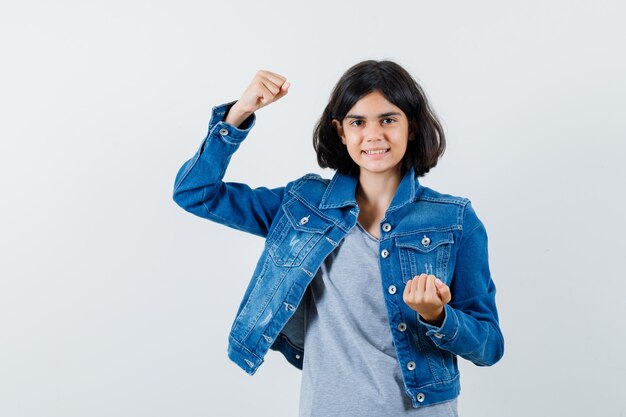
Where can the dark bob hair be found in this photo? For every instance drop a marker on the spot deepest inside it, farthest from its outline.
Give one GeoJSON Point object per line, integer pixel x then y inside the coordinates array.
{"type": "Point", "coordinates": [399, 88]}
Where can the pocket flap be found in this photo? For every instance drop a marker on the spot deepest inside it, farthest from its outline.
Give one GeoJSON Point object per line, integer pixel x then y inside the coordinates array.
{"type": "Point", "coordinates": [425, 241]}
{"type": "Point", "coordinates": [304, 218]}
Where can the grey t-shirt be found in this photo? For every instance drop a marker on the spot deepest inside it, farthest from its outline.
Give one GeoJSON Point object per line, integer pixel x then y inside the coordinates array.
{"type": "Point", "coordinates": [350, 366]}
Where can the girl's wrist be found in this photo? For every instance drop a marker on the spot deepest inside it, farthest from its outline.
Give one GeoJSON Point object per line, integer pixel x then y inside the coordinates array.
{"type": "Point", "coordinates": [436, 320]}
{"type": "Point", "coordinates": [236, 116]}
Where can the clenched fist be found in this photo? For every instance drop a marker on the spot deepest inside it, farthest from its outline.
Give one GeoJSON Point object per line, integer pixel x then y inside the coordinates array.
{"type": "Point", "coordinates": [266, 87]}
{"type": "Point", "coordinates": [427, 295]}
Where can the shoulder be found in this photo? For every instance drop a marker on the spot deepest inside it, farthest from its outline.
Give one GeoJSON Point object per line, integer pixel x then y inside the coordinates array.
{"type": "Point", "coordinates": [311, 178]}
{"type": "Point", "coordinates": [428, 194]}
{"type": "Point", "coordinates": [464, 211]}
{"type": "Point", "coordinates": [308, 186]}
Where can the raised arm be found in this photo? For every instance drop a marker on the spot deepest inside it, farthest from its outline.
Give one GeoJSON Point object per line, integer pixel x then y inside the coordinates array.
{"type": "Point", "coordinates": [199, 187]}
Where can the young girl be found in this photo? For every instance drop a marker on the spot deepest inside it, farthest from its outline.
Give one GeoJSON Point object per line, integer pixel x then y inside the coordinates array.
{"type": "Point", "coordinates": [381, 281]}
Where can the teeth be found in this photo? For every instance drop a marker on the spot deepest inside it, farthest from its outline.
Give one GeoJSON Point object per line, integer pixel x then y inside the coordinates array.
{"type": "Point", "coordinates": [376, 152]}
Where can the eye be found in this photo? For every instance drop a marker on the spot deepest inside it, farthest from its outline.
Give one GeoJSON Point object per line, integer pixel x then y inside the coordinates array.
{"type": "Point", "coordinates": [388, 120]}
{"type": "Point", "coordinates": [356, 122]}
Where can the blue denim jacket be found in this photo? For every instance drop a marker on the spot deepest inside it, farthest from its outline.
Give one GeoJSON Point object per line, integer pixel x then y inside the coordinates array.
{"type": "Point", "coordinates": [303, 222]}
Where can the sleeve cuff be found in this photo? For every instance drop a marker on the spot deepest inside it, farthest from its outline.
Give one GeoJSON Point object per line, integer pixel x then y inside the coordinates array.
{"type": "Point", "coordinates": [448, 330]}
{"type": "Point", "coordinates": [230, 132]}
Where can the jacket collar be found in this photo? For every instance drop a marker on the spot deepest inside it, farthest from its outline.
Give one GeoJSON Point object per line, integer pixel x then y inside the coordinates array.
{"type": "Point", "coordinates": [341, 191]}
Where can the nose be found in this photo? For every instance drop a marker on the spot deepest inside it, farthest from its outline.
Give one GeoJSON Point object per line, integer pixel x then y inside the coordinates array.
{"type": "Point", "coordinates": [373, 132]}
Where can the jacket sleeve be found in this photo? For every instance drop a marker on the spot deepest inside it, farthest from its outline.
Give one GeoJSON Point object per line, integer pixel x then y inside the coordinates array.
{"type": "Point", "coordinates": [199, 188]}
{"type": "Point", "coordinates": [470, 328]}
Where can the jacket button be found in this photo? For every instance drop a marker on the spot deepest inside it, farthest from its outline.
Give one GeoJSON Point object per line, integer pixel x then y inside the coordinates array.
{"type": "Point", "coordinates": [304, 220]}
{"type": "Point", "coordinates": [384, 253]}
{"type": "Point", "coordinates": [420, 397]}
{"type": "Point", "coordinates": [402, 327]}
{"type": "Point", "coordinates": [425, 241]}
{"type": "Point", "coordinates": [392, 289]}
{"type": "Point", "coordinates": [438, 335]}
{"type": "Point", "coordinates": [386, 227]}
{"type": "Point", "coordinates": [410, 366]}
{"type": "Point", "coordinates": [223, 131]}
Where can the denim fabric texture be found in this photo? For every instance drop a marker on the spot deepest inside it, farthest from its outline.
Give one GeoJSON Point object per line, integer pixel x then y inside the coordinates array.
{"type": "Point", "coordinates": [423, 231]}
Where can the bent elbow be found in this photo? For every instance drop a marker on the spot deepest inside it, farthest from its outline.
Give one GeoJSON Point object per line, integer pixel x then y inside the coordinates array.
{"type": "Point", "coordinates": [491, 351]}
{"type": "Point", "coordinates": [193, 198]}
{"type": "Point", "coordinates": [491, 359]}
{"type": "Point", "coordinates": [494, 353]}
{"type": "Point", "coordinates": [182, 199]}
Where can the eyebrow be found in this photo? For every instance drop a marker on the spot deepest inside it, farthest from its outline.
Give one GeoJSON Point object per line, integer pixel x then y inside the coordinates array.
{"type": "Point", "coordinates": [356, 116]}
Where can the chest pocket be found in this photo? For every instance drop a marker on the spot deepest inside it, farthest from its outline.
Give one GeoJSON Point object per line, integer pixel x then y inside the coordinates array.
{"type": "Point", "coordinates": [425, 253]}
{"type": "Point", "coordinates": [296, 233]}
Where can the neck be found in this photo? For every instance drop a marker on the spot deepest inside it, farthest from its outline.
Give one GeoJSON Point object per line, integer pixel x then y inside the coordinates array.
{"type": "Point", "coordinates": [375, 191]}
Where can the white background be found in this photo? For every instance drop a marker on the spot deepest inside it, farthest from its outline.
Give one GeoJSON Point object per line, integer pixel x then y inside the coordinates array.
{"type": "Point", "coordinates": [116, 302]}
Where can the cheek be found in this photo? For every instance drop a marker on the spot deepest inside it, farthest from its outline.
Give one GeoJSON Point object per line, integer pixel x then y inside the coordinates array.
{"type": "Point", "coordinates": [350, 143]}
{"type": "Point", "coordinates": [402, 149]}
{"type": "Point", "coordinates": [354, 150]}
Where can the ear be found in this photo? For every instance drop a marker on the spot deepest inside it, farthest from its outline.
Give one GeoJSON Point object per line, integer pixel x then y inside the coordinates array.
{"type": "Point", "coordinates": [339, 128]}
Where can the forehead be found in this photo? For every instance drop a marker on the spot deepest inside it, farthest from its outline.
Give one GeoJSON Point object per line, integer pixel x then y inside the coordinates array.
{"type": "Point", "coordinates": [373, 104]}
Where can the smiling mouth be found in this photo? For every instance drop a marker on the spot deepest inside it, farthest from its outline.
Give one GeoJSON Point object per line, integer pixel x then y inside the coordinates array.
{"type": "Point", "coordinates": [376, 152]}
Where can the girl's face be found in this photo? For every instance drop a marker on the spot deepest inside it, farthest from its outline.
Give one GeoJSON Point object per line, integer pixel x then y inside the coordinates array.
{"type": "Point", "coordinates": [376, 133]}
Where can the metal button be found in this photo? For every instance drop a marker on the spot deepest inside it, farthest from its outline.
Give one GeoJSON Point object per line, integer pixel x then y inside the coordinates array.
{"type": "Point", "coordinates": [420, 397]}
{"type": "Point", "coordinates": [384, 253]}
{"type": "Point", "coordinates": [297, 356]}
{"type": "Point", "coordinates": [392, 289]}
{"type": "Point", "coordinates": [410, 366]}
{"type": "Point", "coordinates": [386, 227]}
{"type": "Point", "coordinates": [223, 131]}
{"type": "Point", "coordinates": [402, 327]}
{"type": "Point", "coordinates": [304, 220]}
{"type": "Point", "coordinates": [426, 241]}
{"type": "Point", "coordinates": [438, 335]}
